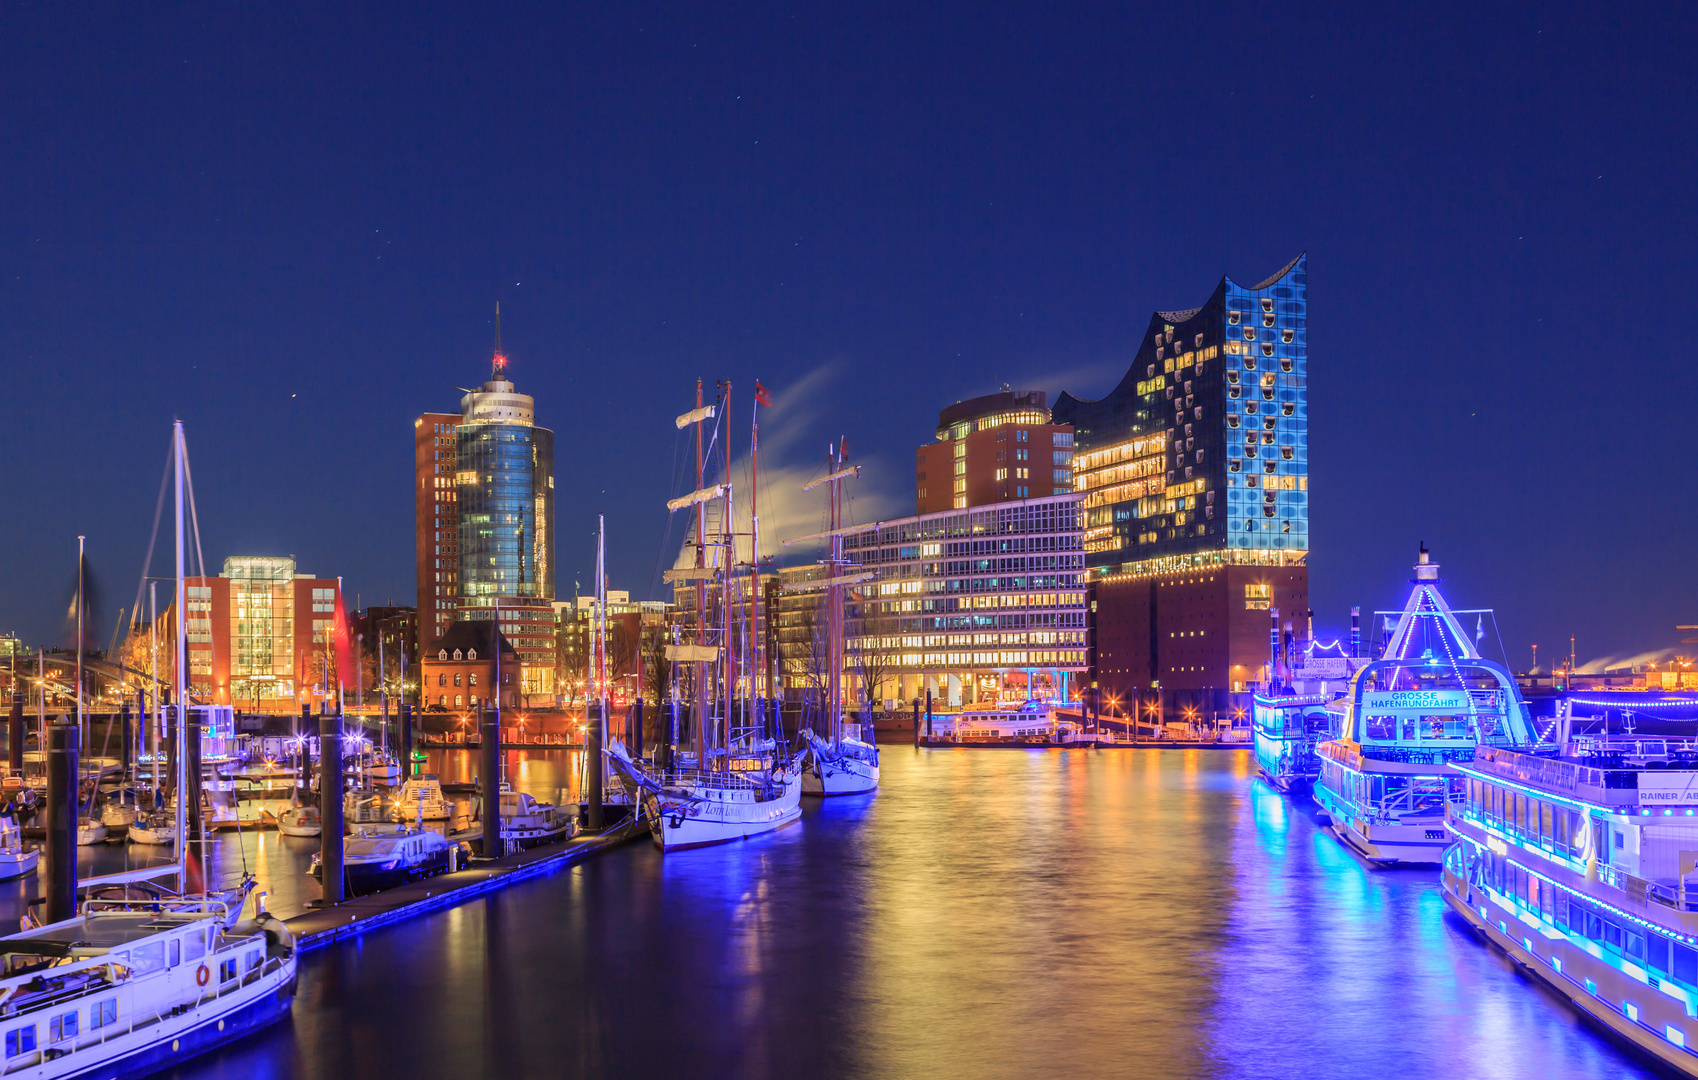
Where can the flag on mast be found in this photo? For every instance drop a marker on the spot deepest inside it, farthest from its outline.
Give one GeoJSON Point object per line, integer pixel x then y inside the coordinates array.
{"type": "Point", "coordinates": [763, 396]}
{"type": "Point", "coordinates": [347, 664]}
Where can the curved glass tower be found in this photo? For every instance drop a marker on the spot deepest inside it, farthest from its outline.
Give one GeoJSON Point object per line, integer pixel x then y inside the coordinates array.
{"type": "Point", "coordinates": [504, 491]}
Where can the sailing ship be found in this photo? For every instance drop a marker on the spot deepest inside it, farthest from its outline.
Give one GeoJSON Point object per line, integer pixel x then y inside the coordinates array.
{"type": "Point", "coordinates": [706, 800]}
{"type": "Point", "coordinates": [836, 763]}
{"type": "Point", "coordinates": [1410, 720]}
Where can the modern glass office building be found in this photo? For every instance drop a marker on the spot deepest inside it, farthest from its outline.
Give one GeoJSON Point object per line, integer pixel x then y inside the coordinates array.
{"type": "Point", "coordinates": [504, 498]}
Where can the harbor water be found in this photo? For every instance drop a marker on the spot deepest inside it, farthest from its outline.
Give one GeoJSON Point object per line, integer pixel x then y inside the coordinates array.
{"type": "Point", "coordinates": [1140, 913]}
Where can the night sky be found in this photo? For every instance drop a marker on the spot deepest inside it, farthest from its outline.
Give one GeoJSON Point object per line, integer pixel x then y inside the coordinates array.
{"type": "Point", "coordinates": [289, 226]}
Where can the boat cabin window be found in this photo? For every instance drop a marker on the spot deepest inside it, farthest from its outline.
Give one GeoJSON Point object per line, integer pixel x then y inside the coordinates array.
{"type": "Point", "coordinates": [104, 1012]}
{"type": "Point", "coordinates": [176, 949]}
{"type": "Point", "coordinates": [226, 971]}
{"type": "Point", "coordinates": [253, 959]}
{"type": "Point", "coordinates": [194, 946]}
{"type": "Point", "coordinates": [146, 958]}
{"type": "Point", "coordinates": [62, 1027]}
{"type": "Point", "coordinates": [20, 1041]}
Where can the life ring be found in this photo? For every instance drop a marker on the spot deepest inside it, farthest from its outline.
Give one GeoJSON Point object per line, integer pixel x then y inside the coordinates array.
{"type": "Point", "coordinates": [202, 976]}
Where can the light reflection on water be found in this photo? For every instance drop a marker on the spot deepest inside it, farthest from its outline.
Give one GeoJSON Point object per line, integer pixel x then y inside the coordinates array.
{"type": "Point", "coordinates": [987, 913]}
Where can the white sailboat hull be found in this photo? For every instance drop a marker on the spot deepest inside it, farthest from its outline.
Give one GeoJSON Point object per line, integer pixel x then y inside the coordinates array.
{"type": "Point", "coordinates": [704, 822]}
{"type": "Point", "coordinates": [146, 834]}
{"type": "Point", "coordinates": [845, 776]}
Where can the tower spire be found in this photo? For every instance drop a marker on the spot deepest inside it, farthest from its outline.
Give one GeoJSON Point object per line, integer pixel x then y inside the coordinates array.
{"type": "Point", "coordinates": [495, 372]}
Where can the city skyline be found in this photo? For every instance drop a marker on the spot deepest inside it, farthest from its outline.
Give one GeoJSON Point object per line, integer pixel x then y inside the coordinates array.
{"type": "Point", "coordinates": [1462, 318]}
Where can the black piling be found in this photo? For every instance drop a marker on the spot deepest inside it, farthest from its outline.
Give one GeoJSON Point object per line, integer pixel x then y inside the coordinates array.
{"type": "Point", "coordinates": [636, 716]}
{"type": "Point", "coordinates": [928, 716]}
{"type": "Point", "coordinates": [192, 778]}
{"type": "Point", "coordinates": [15, 737]}
{"type": "Point", "coordinates": [330, 808]}
{"type": "Point", "coordinates": [404, 738]}
{"type": "Point", "coordinates": [489, 734]}
{"type": "Point", "coordinates": [916, 721]}
{"type": "Point", "coordinates": [170, 784]}
{"type": "Point", "coordinates": [592, 769]}
{"type": "Point", "coordinates": [63, 745]}
{"type": "Point", "coordinates": [129, 738]}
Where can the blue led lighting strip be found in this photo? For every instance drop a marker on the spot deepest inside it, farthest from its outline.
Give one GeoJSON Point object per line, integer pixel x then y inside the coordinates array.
{"type": "Point", "coordinates": [1538, 792]}
{"type": "Point", "coordinates": [1628, 915]}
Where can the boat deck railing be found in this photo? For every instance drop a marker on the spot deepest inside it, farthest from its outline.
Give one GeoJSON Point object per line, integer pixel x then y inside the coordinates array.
{"type": "Point", "coordinates": [1613, 786]}
{"type": "Point", "coordinates": [1418, 755]}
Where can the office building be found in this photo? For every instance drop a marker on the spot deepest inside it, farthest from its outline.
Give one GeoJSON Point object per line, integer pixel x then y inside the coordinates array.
{"type": "Point", "coordinates": [1194, 481]}
{"type": "Point", "coordinates": [977, 606]}
{"type": "Point", "coordinates": [1002, 447]}
{"type": "Point", "coordinates": [437, 531]}
{"type": "Point", "coordinates": [635, 628]}
{"type": "Point", "coordinates": [485, 517]}
{"type": "Point", "coordinates": [258, 635]}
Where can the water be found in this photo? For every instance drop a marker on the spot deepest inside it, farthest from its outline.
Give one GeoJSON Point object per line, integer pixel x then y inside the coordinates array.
{"type": "Point", "coordinates": [987, 913]}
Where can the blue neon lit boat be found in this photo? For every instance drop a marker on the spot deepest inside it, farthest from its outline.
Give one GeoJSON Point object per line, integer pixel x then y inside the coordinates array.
{"type": "Point", "coordinates": [1287, 729]}
{"type": "Point", "coordinates": [1579, 866]}
{"type": "Point", "coordinates": [1409, 719]}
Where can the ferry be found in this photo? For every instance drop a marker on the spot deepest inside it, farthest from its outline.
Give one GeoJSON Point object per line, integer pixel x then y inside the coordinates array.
{"type": "Point", "coordinates": [1287, 729]}
{"type": "Point", "coordinates": [1033, 723]}
{"type": "Point", "coordinates": [1409, 719]}
{"type": "Point", "coordinates": [1579, 865]}
{"type": "Point", "coordinates": [131, 987]}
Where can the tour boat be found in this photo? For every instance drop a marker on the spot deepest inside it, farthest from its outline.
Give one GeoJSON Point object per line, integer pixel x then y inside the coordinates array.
{"type": "Point", "coordinates": [375, 859]}
{"type": "Point", "coordinates": [1287, 730]}
{"type": "Point", "coordinates": [158, 828]}
{"type": "Point", "coordinates": [1409, 720]}
{"type": "Point", "coordinates": [130, 987]}
{"type": "Point", "coordinates": [525, 822]}
{"type": "Point", "coordinates": [16, 858]}
{"type": "Point", "coordinates": [849, 768]}
{"type": "Point", "coordinates": [422, 797]}
{"type": "Point", "coordinates": [1580, 866]}
{"type": "Point", "coordinates": [300, 821]}
{"type": "Point", "coordinates": [1033, 723]}
{"type": "Point", "coordinates": [695, 809]}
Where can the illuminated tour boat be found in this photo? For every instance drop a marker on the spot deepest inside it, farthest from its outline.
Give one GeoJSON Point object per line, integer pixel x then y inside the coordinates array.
{"type": "Point", "coordinates": [130, 987]}
{"type": "Point", "coordinates": [1410, 719]}
{"type": "Point", "coordinates": [1033, 723]}
{"type": "Point", "coordinates": [1579, 865]}
{"type": "Point", "coordinates": [1287, 729]}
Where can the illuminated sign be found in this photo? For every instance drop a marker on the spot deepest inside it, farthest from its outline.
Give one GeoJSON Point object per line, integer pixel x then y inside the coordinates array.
{"type": "Point", "coordinates": [1417, 699]}
{"type": "Point", "coordinates": [1668, 787]}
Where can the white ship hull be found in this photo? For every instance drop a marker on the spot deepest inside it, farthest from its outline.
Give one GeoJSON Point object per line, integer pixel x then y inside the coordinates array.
{"type": "Point", "coordinates": [845, 776]}
{"type": "Point", "coordinates": [144, 834]}
{"type": "Point", "coordinates": [707, 821]}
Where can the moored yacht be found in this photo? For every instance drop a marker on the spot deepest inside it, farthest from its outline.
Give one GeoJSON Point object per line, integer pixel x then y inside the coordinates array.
{"type": "Point", "coordinates": [421, 797]}
{"type": "Point", "coordinates": [1408, 720]}
{"type": "Point", "coordinates": [377, 858]}
{"type": "Point", "coordinates": [1580, 866]}
{"type": "Point", "coordinates": [848, 768]}
{"type": "Point", "coordinates": [16, 858]}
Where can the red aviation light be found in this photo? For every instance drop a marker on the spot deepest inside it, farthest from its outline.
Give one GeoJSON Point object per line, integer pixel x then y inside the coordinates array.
{"type": "Point", "coordinates": [500, 359]}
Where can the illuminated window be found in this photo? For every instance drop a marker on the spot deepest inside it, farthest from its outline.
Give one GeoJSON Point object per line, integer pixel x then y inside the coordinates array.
{"type": "Point", "coordinates": [1267, 304]}
{"type": "Point", "coordinates": [1267, 320]}
{"type": "Point", "coordinates": [1287, 336]}
{"type": "Point", "coordinates": [1233, 318]}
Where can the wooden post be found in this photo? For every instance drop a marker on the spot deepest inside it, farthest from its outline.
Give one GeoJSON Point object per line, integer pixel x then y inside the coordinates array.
{"type": "Point", "coordinates": [592, 769]}
{"type": "Point", "coordinates": [330, 808]}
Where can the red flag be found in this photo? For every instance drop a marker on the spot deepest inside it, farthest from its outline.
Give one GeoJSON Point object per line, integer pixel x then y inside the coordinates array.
{"type": "Point", "coordinates": [763, 396]}
{"type": "Point", "coordinates": [347, 665]}
{"type": "Point", "coordinates": [843, 449]}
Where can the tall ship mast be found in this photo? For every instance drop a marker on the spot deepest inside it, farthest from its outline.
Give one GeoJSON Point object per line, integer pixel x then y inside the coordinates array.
{"type": "Point", "coordinates": [702, 799]}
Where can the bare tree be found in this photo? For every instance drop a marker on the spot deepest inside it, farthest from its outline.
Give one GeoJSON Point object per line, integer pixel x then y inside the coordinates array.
{"type": "Point", "coordinates": [870, 658]}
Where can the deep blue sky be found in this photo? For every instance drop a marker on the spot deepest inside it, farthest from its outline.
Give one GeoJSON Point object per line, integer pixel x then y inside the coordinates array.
{"type": "Point", "coordinates": [289, 226]}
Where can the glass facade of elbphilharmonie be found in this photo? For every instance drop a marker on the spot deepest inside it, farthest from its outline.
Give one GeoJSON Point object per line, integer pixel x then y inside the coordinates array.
{"type": "Point", "coordinates": [1200, 455]}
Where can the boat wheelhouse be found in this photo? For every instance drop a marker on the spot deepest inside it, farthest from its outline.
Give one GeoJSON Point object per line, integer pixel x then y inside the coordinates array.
{"type": "Point", "coordinates": [1409, 719]}
{"type": "Point", "coordinates": [1287, 729]}
{"type": "Point", "coordinates": [1579, 866]}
